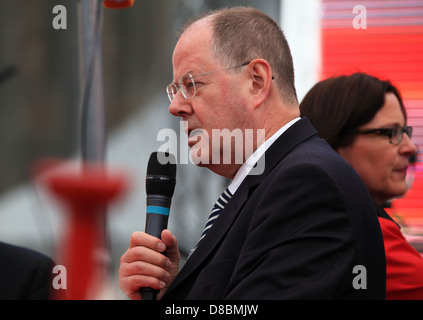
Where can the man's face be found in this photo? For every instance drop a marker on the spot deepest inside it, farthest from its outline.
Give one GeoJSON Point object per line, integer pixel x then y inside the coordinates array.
{"type": "Point", "coordinates": [220, 99]}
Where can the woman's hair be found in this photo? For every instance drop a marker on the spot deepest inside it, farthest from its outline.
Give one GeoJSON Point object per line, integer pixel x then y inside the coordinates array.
{"type": "Point", "coordinates": [338, 105]}
{"type": "Point", "coordinates": [242, 34]}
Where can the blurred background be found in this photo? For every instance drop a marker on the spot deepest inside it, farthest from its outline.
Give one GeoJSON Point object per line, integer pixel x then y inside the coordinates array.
{"type": "Point", "coordinates": [40, 101]}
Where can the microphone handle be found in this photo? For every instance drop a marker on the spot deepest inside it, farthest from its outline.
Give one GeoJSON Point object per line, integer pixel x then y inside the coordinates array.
{"type": "Point", "coordinates": [148, 294]}
{"type": "Point", "coordinates": [157, 215]}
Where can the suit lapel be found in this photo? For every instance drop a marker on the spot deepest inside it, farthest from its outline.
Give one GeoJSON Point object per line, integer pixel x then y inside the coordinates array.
{"type": "Point", "coordinates": [292, 137]}
{"type": "Point", "coordinates": [215, 234]}
{"type": "Point", "coordinates": [297, 133]}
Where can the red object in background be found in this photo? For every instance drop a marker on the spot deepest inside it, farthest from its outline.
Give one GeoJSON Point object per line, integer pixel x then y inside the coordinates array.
{"type": "Point", "coordinates": [118, 4]}
{"type": "Point", "coordinates": [388, 52]}
{"type": "Point", "coordinates": [403, 265]}
{"type": "Point", "coordinates": [85, 192]}
{"type": "Point", "coordinates": [390, 47]}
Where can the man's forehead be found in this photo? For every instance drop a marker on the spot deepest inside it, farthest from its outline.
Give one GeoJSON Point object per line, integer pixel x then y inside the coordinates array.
{"type": "Point", "coordinates": [199, 34]}
{"type": "Point", "coordinates": [193, 47]}
{"type": "Point", "coordinates": [204, 23]}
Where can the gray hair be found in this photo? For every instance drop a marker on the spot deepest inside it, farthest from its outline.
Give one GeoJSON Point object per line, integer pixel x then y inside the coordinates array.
{"type": "Point", "coordinates": [241, 34]}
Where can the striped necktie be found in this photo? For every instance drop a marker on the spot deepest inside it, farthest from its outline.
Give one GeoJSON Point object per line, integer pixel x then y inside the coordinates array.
{"type": "Point", "coordinates": [214, 214]}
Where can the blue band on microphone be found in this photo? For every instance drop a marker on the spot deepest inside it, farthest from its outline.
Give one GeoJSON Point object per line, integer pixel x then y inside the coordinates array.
{"type": "Point", "coordinates": [159, 210]}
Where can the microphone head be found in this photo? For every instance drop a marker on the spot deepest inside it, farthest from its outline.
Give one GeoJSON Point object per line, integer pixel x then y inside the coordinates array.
{"type": "Point", "coordinates": [161, 174]}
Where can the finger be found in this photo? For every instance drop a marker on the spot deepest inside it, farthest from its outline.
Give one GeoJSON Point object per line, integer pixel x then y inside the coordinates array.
{"type": "Point", "coordinates": [146, 255]}
{"type": "Point", "coordinates": [172, 248]}
{"type": "Point", "coordinates": [139, 238]}
{"type": "Point", "coordinates": [168, 238]}
{"type": "Point", "coordinates": [143, 268]}
{"type": "Point", "coordinates": [132, 284]}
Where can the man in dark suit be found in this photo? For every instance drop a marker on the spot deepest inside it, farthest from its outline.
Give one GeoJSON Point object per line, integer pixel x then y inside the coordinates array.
{"type": "Point", "coordinates": [305, 227]}
{"type": "Point", "coordinates": [24, 274]}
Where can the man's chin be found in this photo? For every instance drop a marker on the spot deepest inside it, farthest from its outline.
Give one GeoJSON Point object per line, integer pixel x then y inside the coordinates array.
{"type": "Point", "coordinates": [199, 154]}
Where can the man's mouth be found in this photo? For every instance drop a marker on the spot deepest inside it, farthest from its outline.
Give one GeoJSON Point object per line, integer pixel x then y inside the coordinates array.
{"type": "Point", "coordinates": [193, 136]}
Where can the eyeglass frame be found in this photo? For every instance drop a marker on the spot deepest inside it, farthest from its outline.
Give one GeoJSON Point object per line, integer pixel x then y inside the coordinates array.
{"type": "Point", "coordinates": [180, 86]}
{"type": "Point", "coordinates": [389, 132]}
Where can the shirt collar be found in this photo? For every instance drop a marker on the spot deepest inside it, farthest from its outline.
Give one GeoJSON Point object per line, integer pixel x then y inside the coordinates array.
{"type": "Point", "coordinates": [252, 160]}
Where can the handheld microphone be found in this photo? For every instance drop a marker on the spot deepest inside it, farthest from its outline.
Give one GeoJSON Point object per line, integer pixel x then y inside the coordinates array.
{"type": "Point", "coordinates": [160, 184]}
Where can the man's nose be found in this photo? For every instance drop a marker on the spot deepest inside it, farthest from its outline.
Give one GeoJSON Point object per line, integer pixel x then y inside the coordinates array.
{"type": "Point", "coordinates": [180, 106]}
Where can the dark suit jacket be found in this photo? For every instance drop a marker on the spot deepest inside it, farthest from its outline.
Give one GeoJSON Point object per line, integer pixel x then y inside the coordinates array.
{"type": "Point", "coordinates": [294, 232]}
{"type": "Point", "coordinates": [24, 274]}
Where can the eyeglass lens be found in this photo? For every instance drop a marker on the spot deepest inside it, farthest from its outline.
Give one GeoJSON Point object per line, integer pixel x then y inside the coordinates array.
{"type": "Point", "coordinates": [186, 85]}
{"type": "Point", "coordinates": [397, 133]}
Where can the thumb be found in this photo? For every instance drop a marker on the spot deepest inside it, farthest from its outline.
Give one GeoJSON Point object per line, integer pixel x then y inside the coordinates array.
{"type": "Point", "coordinates": [172, 252]}
{"type": "Point", "coordinates": [172, 248]}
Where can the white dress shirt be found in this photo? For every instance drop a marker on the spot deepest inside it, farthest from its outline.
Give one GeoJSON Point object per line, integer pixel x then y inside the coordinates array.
{"type": "Point", "coordinates": [252, 160]}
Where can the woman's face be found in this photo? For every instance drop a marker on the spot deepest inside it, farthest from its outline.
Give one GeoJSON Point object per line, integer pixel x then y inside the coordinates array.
{"type": "Point", "coordinates": [381, 164]}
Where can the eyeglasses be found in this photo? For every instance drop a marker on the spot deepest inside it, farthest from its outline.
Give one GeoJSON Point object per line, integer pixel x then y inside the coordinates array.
{"type": "Point", "coordinates": [186, 83]}
{"type": "Point", "coordinates": [395, 133]}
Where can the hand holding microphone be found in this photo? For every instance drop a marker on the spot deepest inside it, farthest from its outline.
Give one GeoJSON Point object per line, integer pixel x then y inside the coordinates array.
{"type": "Point", "coordinates": [152, 260]}
{"type": "Point", "coordinates": [159, 184]}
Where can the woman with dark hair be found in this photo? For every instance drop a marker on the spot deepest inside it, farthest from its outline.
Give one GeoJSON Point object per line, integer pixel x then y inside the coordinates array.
{"type": "Point", "coordinates": [364, 120]}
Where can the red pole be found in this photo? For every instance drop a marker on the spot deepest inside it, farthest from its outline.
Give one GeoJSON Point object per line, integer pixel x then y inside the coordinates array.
{"type": "Point", "coordinates": [86, 194]}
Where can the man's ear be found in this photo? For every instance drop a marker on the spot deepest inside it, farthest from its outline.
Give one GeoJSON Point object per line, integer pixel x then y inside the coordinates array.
{"type": "Point", "coordinates": [261, 80]}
